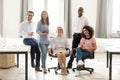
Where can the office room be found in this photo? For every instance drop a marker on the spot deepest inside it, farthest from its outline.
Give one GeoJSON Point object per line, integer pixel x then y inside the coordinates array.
{"type": "Point", "coordinates": [51, 19]}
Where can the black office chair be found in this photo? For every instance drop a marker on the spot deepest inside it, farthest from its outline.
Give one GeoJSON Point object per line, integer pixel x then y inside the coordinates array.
{"type": "Point", "coordinates": [83, 67]}
{"type": "Point", "coordinates": [58, 66]}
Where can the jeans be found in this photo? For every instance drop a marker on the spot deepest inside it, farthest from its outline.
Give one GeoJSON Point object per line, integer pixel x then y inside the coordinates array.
{"type": "Point", "coordinates": [81, 55]}
{"type": "Point", "coordinates": [75, 42]}
{"type": "Point", "coordinates": [44, 49]}
{"type": "Point", "coordinates": [34, 49]}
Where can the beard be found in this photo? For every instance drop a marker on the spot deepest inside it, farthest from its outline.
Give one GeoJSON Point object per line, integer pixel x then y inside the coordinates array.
{"type": "Point", "coordinates": [80, 15]}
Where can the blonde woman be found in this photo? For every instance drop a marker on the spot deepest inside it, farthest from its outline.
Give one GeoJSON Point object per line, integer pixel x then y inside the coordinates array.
{"type": "Point", "coordinates": [58, 45]}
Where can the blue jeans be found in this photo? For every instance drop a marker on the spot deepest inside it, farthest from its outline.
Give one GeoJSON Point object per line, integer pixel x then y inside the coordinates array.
{"type": "Point", "coordinates": [34, 49]}
{"type": "Point", "coordinates": [82, 54]}
{"type": "Point", "coordinates": [44, 49]}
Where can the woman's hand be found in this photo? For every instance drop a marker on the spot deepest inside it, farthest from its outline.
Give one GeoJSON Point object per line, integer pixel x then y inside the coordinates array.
{"type": "Point", "coordinates": [71, 52]}
{"type": "Point", "coordinates": [46, 33]}
{"type": "Point", "coordinates": [91, 50]}
{"type": "Point", "coordinates": [43, 33]}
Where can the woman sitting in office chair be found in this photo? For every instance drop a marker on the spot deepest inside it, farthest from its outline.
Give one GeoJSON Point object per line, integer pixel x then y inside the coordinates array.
{"type": "Point", "coordinates": [86, 47]}
{"type": "Point", "coordinates": [58, 45]}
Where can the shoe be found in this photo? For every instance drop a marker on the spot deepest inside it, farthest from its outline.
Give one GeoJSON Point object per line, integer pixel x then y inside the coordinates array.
{"type": "Point", "coordinates": [80, 63]}
{"type": "Point", "coordinates": [38, 69]}
{"type": "Point", "coordinates": [32, 64]}
{"type": "Point", "coordinates": [44, 70]}
{"type": "Point", "coordinates": [77, 73]}
{"type": "Point", "coordinates": [69, 66]}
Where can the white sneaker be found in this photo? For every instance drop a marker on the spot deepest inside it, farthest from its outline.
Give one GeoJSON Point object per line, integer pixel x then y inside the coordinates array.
{"type": "Point", "coordinates": [80, 63]}
{"type": "Point", "coordinates": [77, 73]}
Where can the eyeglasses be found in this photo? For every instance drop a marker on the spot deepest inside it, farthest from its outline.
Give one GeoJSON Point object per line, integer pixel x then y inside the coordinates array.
{"type": "Point", "coordinates": [30, 15]}
{"type": "Point", "coordinates": [59, 29]}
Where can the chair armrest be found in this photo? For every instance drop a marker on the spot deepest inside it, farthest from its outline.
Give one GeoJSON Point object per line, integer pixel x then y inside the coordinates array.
{"type": "Point", "coordinates": [92, 55]}
{"type": "Point", "coordinates": [67, 52]}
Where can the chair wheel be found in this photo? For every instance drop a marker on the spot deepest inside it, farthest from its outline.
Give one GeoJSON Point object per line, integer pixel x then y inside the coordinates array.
{"type": "Point", "coordinates": [67, 71]}
{"type": "Point", "coordinates": [56, 72]}
{"type": "Point", "coordinates": [90, 72]}
{"type": "Point", "coordinates": [73, 70]}
{"type": "Point", "coordinates": [48, 70]}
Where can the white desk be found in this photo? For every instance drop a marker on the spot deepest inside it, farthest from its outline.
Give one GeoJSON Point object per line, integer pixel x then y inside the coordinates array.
{"type": "Point", "coordinates": [111, 51]}
{"type": "Point", "coordinates": [15, 46]}
{"type": "Point", "coordinates": [112, 47]}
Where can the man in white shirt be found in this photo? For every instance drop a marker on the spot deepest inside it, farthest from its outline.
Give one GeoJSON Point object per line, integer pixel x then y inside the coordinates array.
{"type": "Point", "coordinates": [79, 23]}
{"type": "Point", "coordinates": [26, 31]}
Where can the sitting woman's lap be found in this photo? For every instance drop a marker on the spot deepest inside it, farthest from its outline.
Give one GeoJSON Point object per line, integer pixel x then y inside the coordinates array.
{"type": "Point", "coordinates": [59, 50]}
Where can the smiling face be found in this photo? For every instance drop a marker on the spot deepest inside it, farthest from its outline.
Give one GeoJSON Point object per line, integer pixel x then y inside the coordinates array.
{"type": "Point", "coordinates": [30, 16]}
{"type": "Point", "coordinates": [44, 15]}
{"type": "Point", "coordinates": [59, 31]}
{"type": "Point", "coordinates": [86, 32]}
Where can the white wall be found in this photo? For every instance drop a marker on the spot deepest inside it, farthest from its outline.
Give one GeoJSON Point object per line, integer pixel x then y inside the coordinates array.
{"type": "Point", "coordinates": [11, 17]}
{"type": "Point", "coordinates": [90, 10]}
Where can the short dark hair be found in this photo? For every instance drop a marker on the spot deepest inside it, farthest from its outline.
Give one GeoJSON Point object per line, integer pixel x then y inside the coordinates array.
{"type": "Point", "coordinates": [31, 12]}
{"type": "Point", "coordinates": [80, 9]}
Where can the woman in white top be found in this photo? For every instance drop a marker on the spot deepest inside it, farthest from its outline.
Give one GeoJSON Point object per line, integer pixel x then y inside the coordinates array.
{"type": "Point", "coordinates": [58, 45]}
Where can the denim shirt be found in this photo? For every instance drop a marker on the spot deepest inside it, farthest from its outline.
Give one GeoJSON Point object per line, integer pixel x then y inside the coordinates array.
{"type": "Point", "coordinates": [44, 39]}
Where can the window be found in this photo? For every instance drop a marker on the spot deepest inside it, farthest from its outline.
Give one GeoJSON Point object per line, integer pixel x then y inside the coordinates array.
{"type": "Point", "coordinates": [116, 16]}
{"type": "Point", "coordinates": [55, 11]}
{"type": "Point", "coordinates": [38, 7]}
{"type": "Point", "coordinates": [56, 14]}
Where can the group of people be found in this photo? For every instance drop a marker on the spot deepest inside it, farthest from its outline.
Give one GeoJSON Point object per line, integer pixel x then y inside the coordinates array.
{"type": "Point", "coordinates": [83, 41]}
{"type": "Point", "coordinates": [26, 31]}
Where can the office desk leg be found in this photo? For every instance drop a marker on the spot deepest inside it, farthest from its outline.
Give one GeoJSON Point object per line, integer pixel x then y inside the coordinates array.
{"type": "Point", "coordinates": [26, 66]}
{"type": "Point", "coordinates": [107, 60]}
{"type": "Point", "coordinates": [17, 60]}
{"type": "Point", "coordinates": [110, 67]}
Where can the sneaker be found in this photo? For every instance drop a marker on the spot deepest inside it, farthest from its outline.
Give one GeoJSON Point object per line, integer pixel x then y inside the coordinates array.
{"type": "Point", "coordinates": [32, 64]}
{"type": "Point", "coordinates": [44, 70]}
{"type": "Point", "coordinates": [80, 63]}
{"type": "Point", "coordinates": [77, 73]}
{"type": "Point", "coordinates": [38, 69]}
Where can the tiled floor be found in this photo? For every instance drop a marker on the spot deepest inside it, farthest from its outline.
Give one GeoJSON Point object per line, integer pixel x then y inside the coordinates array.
{"type": "Point", "coordinates": [99, 65]}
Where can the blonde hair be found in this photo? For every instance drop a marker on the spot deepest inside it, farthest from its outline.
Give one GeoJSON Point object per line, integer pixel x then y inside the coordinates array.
{"type": "Point", "coordinates": [60, 28]}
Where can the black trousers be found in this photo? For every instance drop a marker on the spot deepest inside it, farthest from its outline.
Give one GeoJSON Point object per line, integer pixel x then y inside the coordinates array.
{"type": "Point", "coordinates": [76, 40]}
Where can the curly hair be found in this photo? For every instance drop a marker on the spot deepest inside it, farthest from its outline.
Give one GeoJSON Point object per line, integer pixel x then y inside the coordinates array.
{"type": "Point", "coordinates": [90, 30]}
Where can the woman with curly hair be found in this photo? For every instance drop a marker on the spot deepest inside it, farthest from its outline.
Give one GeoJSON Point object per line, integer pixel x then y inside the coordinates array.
{"type": "Point", "coordinates": [86, 47]}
